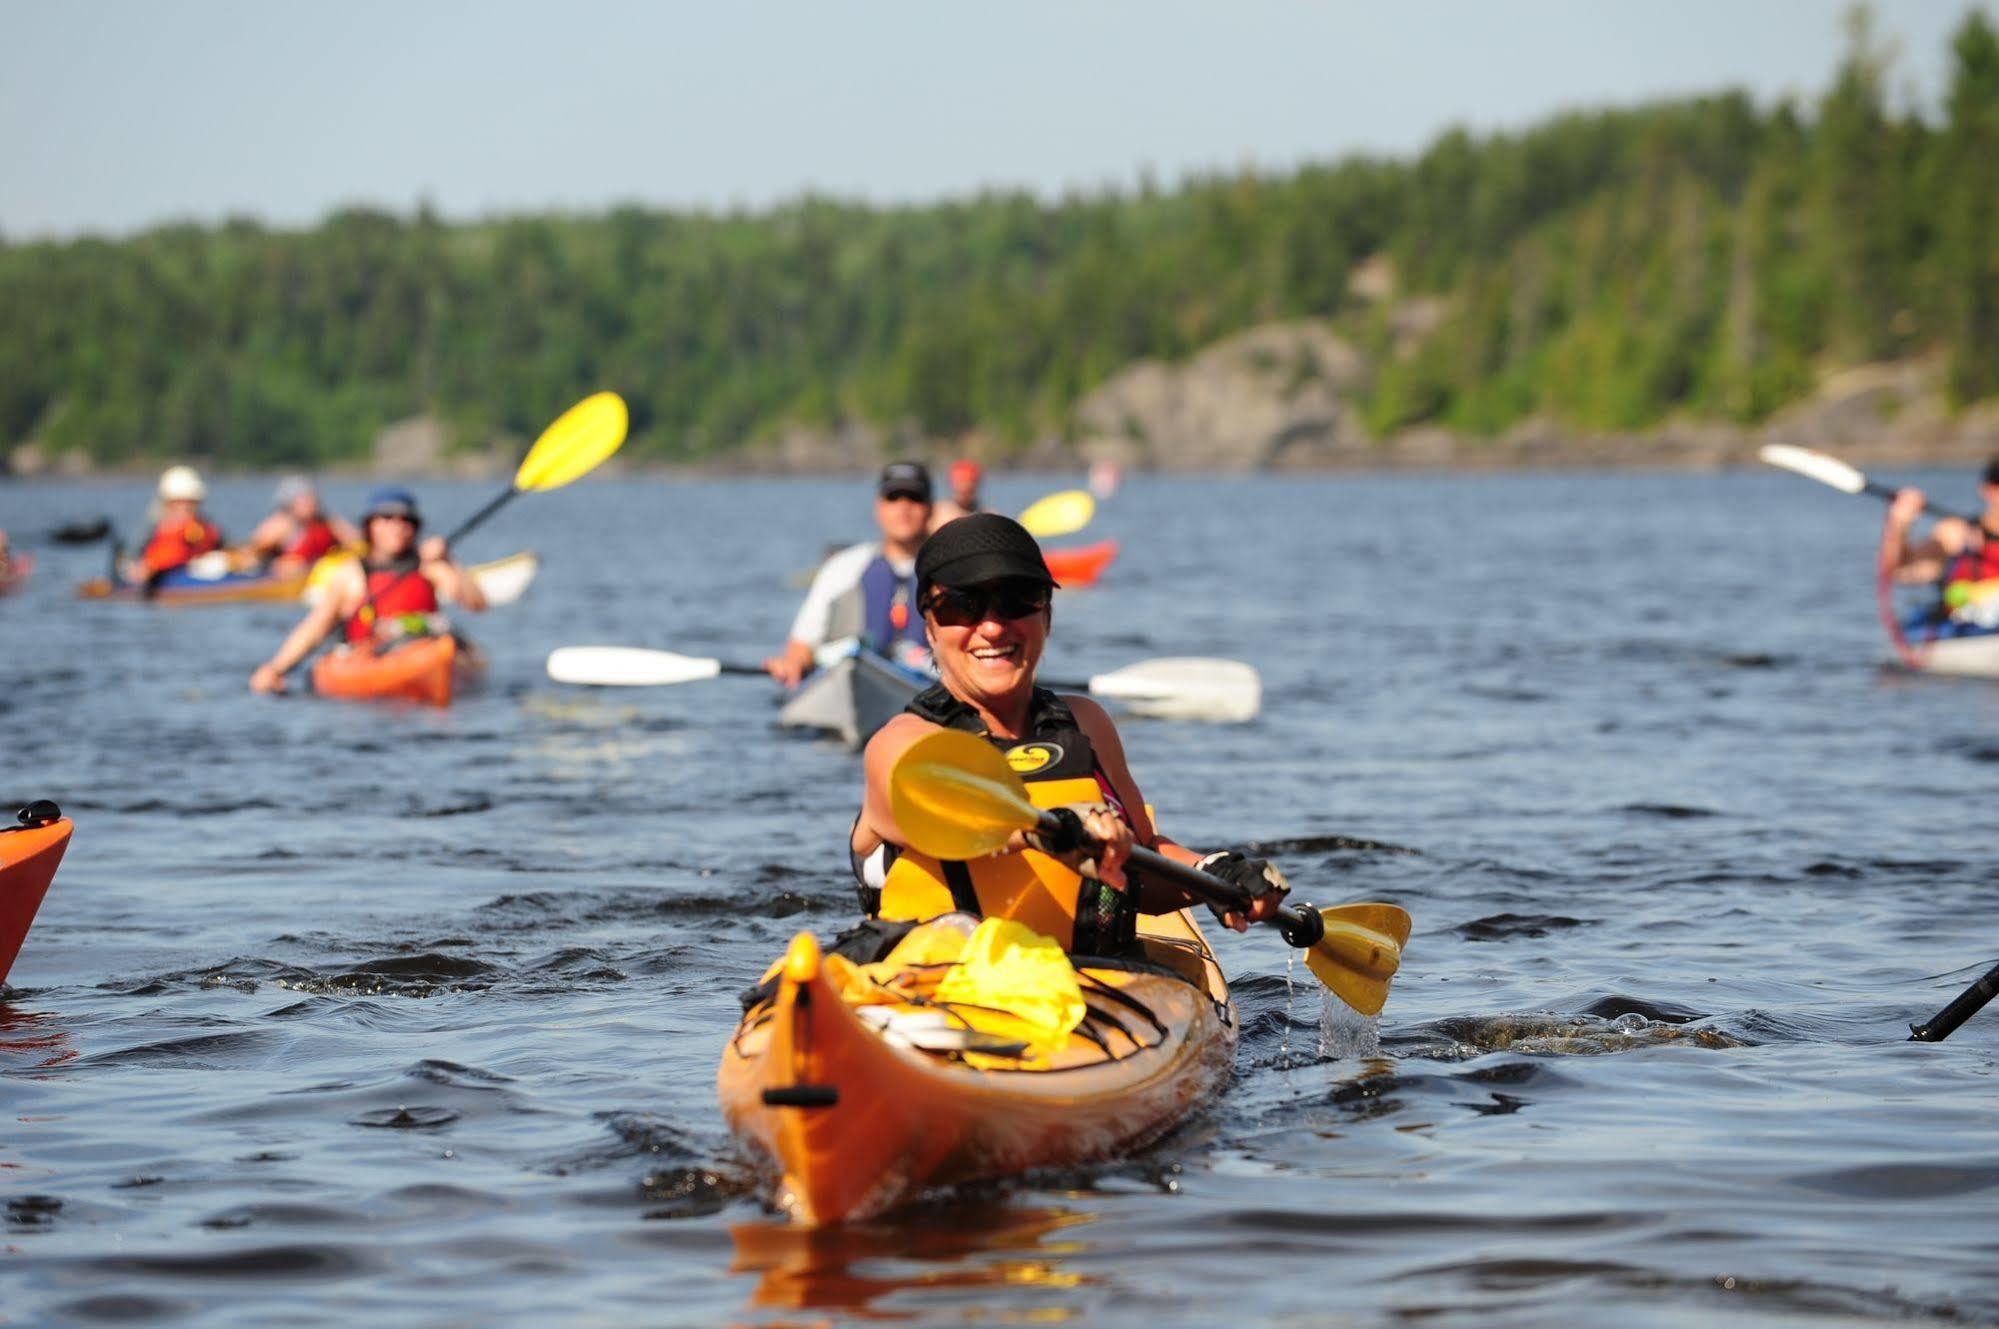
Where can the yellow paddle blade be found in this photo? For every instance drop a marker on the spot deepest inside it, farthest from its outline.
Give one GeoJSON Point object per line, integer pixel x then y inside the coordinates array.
{"type": "Point", "coordinates": [1059, 514]}
{"type": "Point", "coordinates": [575, 444]}
{"type": "Point", "coordinates": [954, 796]}
{"type": "Point", "coordinates": [1360, 953]}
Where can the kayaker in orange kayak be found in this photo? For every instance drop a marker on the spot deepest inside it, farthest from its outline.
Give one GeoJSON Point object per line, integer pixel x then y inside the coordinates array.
{"type": "Point", "coordinates": [985, 593]}
{"type": "Point", "coordinates": [182, 533]}
{"type": "Point", "coordinates": [299, 531]}
{"type": "Point", "coordinates": [393, 590]}
{"type": "Point", "coordinates": [1953, 546]}
{"type": "Point", "coordinates": [964, 475]}
{"type": "Point", "coordinates": [868, 590]}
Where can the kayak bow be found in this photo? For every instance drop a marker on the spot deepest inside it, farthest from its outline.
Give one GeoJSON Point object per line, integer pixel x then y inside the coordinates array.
{"type": "Point", "coordinates": [861, 1099]}
{"type": "Point", "coordinates": [430, 670]}
{"type": "Point", "coordinates": [29, 855]}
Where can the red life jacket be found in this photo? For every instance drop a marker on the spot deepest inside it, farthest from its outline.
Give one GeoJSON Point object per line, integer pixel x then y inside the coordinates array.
{"type": "Point", "coordinates": [1980, 564]}
{"type": "Point", "coordinates": [392, 593]}
{"type": "Point", "coordinates": [175, 544]}
{"type": "Point", "coordinates": [315, 539]}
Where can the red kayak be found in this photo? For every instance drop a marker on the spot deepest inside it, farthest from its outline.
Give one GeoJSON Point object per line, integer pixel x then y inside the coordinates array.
{"type": "Point", "coordinates": [29, 854]}
{"type": "Point", "coordinates": [1082, 565]}
{"type": "Point", "coordinates": [430, 670]}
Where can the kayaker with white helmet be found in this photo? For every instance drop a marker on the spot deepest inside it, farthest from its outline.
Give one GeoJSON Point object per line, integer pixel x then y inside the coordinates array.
{"type": "Point", "coordinates": [394, 589]}
{"type": "Point", "coordinates": [299, 530]}
{"type": "Point", "coordinates": [964, 476]}
{"type": "Point", "coordinates": [984, 590]}
{"type": "Point", "coordinates": [181, 533]}
{"type": "Point", "coordinates": [873, 582]}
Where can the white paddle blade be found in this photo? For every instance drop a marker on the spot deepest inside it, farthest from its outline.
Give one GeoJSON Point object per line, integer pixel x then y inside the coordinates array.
{"type": "Point", "coordinates": [627, 667]}
{"type": "Point", "coordinates": [1814, 466]}
{"type": "Point", "coordinates": [1185, 688]}
{"type": "Point", "coordinates": [505, 580]}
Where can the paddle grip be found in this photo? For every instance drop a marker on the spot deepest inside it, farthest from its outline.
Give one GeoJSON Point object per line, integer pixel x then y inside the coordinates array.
{"type": "Point", "coordinates": [1962, 1007]}
{"type": "Point", "coordinates": [1061, 830]}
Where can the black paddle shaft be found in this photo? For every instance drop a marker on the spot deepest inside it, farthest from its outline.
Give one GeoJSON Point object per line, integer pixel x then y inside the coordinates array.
{"type": "Point", "coordinates": [1962, 1007]}
{"type": "Point", "coordinates": [1887, 493]}
{"type": "Point", "coordinates": [1061, 829]}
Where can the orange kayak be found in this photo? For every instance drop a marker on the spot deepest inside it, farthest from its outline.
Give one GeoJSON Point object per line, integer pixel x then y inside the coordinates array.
{"type": "Point", "coordinates": [29, 855]}
{"type": "Point", "coordinates": [430, 670]}
{"type": "Point", "coordinates": [859, 1108]}
{"type": "Point", "coordinates": [1082, 565]}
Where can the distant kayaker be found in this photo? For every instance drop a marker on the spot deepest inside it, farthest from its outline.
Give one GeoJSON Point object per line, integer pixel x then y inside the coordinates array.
{"type": "Point", "coordinates": [1955, 550]}
{"type": "Point", "coordinates": [182, 532]}
{"type": "Point", "coordinates": [985, 593]}
{"type": "Point", "coordinates": [393, 590]}
{"type": "Point", "coordinates": [964, 475]}
{"type": "Point", "coordinates": [299, 531]}
{"type": "Point", "coordinates": [868, 590]}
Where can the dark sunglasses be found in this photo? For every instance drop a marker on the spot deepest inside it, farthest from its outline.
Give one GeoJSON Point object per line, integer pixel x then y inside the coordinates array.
{"type": "Point", "coordinates": [964, 606]}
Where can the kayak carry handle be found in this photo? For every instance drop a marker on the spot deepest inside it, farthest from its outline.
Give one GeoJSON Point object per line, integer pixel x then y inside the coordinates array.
{"type": "Point", "coordinates": [803, 1096]}
{"type": "Point", "coordinates": [41, 812]}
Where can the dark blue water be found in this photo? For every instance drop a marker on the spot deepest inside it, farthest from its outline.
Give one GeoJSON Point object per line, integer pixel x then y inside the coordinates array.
{"type": "Point", "coordinates": [342, 1014]}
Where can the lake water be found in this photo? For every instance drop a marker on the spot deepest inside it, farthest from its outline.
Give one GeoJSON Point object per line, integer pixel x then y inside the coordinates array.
{"type": "Point", "coordinates": [339, 1014]}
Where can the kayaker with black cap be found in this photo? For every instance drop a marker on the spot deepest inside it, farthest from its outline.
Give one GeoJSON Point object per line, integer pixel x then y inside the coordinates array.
{"type": "Point", "coordinates": [985, 594]}
{"type": "Point", "coordinates": [392, 590]}
{"type": "Point", "coordinates": [299, 531]}
{"type": "Point", "coordinates": [872, 585]}
{"type": "Point", "coordinates": [1955, 550]}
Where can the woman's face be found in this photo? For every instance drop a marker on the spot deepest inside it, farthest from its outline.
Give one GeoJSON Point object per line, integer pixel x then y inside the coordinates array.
{"type": "Point", "coordinates": [987, 639]}
{"type": "Point", "coordinates": [391, 536]}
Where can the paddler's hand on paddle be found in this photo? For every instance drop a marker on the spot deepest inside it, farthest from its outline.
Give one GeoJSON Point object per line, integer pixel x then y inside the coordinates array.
{"type": "Point", "coordinates": [1905, 508]}
{"type": "Point", "coordinates": [1263, 881]}
{"type": "Point", "coordinates": [1106, 845]}
{"type": "Point", "coordinates": [791, 664]}
{"type": "Point", "coordinates": [267, 678]}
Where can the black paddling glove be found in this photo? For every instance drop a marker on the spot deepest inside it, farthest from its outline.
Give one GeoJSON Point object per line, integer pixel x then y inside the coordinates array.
{"type": "Point", "coordinates": [1255, 877]}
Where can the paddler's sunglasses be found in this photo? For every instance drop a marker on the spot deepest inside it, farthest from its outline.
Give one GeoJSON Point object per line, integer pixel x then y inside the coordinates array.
{"type": "Point", "coordinates": [966, 606]}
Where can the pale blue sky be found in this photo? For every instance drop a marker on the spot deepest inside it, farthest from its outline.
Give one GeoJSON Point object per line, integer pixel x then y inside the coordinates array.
{"type": "Point", "coordinates": [117, 114]}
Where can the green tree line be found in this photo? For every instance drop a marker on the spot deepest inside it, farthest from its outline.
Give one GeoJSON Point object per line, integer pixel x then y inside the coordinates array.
{"type": "Point", "coordinates": [1605, 269]}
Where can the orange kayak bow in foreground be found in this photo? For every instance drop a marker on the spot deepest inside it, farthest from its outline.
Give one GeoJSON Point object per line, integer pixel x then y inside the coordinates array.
{"type": "Point", "coordinates": [430, 670]}
{"type": "Point", "coordinates": [863, 1094]}
{"type": "Point", "coordinates": [29, 855]}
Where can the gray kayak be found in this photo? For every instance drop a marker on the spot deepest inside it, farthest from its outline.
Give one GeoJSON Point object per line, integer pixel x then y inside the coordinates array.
{"type": "Point", "coordinates": [852, 697]}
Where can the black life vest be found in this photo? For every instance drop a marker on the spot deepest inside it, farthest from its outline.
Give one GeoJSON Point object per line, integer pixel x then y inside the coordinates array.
{"type": "Point", "coordinates": [1058, 764]}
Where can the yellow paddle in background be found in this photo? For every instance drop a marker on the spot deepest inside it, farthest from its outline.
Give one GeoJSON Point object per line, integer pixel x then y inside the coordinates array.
{"type": "Point", "coordinates": [1062, 513]}
{"type": "Point", "coordinates": [956, 798]}
{"type": "Point", "coordinates": [579, 441]}
{"type": "Point", "coordinates": [581, 438]}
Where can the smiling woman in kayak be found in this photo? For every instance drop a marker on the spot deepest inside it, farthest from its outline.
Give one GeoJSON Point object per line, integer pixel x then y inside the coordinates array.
{"type": "Point", "coordinates": [984, 590]}
{"type": "Point", "coordinates": [389, 592]}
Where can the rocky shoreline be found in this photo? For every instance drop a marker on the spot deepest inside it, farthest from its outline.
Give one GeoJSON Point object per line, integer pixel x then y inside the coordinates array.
{"type": "Point", "coordinates": [1276, 398]}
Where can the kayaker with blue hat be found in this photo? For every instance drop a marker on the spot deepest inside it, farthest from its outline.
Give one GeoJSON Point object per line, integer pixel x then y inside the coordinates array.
{"type": "Point", "coordinates": [985, 595]}
{"type": "Point", "coordinates": [395, 589]}
{"type": "Point", "coordinates": [868, 591]}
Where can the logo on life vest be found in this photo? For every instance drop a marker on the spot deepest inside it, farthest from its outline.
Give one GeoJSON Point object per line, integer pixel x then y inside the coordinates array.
{"type": "Point", "coordinates": [1031, 757]}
